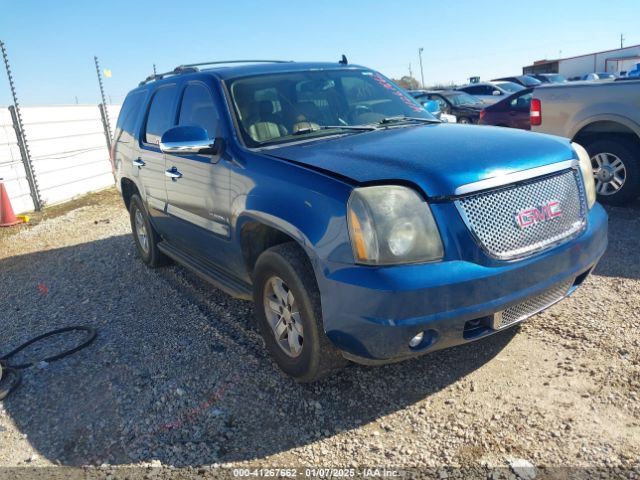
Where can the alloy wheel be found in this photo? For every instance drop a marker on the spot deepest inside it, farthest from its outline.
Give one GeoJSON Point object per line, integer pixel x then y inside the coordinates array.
{"type": "Point", "coordinates": [141, 231]}
{"type": "Point", "coordinates": [283, 316]}
{"type": "Point", "coordinates": [609, 173]}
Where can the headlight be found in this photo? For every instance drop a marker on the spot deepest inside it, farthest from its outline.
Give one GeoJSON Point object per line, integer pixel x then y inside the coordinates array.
{"type": "Point", "coordinates": [587, 173]}
{"type": "Point", "coordinates": [390, 224]}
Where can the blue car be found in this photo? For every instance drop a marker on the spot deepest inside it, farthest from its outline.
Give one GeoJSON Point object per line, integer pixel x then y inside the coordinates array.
{"type": "Point", "coordinates": [362, 228]}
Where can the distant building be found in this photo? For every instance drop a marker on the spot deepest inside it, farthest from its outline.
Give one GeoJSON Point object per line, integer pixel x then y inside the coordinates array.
{"type": "Point", "coordinates": [614, 61]}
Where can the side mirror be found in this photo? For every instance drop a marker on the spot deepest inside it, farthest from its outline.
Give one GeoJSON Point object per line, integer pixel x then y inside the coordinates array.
{"type": "Point", "coordinates": [186, 140]}
{"type": "Point", "coordinates": [496, 93]}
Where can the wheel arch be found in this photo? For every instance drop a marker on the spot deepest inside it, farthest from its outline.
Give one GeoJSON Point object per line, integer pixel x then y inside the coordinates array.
{"type": "Point", "coordinates": [128, 188]}
{"type": "Point", "coordinates": [257, 234]}
{"type": "Point", "coordinates": [606, 125]}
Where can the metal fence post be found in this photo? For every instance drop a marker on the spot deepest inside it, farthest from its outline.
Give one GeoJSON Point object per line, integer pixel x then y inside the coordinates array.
{"type": "Point", "coordinates": [103, 110]}
{"type": "Point", "coordinates": [23, 146]}
{"type": "Point", "coordinates": [105, 124]}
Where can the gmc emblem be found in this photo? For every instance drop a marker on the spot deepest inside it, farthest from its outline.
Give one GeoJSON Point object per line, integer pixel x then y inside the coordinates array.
{"type": "Point", "coordinates": [530, 216]}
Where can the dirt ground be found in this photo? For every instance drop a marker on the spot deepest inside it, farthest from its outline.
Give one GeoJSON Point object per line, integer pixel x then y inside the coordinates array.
{"type": "Point", "coordinates": [178, 382]}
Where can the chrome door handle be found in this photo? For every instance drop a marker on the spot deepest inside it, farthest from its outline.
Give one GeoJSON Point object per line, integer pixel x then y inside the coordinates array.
{"type": "Point", "coordinates": [173, 173]}
{"type": "Point", "coordinates": [138, 163]}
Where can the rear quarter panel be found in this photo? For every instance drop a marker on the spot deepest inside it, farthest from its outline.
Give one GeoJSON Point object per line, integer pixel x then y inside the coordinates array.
{"type": "Point", "coordinates": [567, 109]}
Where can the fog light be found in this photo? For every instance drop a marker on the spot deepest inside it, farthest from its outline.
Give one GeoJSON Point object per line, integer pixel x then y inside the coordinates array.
{"type": "Point", "coordinates": [417, 340]}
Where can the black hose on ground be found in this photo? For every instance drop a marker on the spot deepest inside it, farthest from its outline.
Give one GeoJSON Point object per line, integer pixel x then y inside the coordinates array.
{"type": "Point", "coordinates": [14, 371]}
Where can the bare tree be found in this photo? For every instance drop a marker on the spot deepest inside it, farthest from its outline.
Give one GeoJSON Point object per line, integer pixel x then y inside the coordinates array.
{"type": "Point", "coordinates": [408, 83]}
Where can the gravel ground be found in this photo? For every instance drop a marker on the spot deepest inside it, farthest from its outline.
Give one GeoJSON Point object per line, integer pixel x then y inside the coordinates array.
{"type": "Point", "coordinates": [178, 383]}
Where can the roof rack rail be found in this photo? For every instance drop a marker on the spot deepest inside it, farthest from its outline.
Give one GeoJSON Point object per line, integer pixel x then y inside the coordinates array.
{"type": "Point", "coordinates": [175, 71]}
{"type": "Point", "coordinates": [193, 67]}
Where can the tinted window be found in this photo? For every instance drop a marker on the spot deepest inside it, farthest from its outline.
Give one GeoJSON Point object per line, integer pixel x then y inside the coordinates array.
{"type": "Point", "coordinates": [478, 90]}
{"type": "Point", "coordinates": [129, 112]}
{"type": "Point", "coordinates": [510, 86]}
{"type": "Point", "coordinates": [530, 81]}
{"type": "Point", "coordinates": [160, 117]}
{"type": "Point", "coordinates": [522, 102]}
{"type": "Point", "coordinates": [461, 99]}
{"type": "Point", "coordinates": [557, 78]}
{"type": "Point", "coordinates": [198, 109]}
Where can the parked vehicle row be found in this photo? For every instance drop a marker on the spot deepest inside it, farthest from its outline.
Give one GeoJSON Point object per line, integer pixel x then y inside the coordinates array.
{"type": "Point", "coordinates": [603, 117]}
{"type": "Point", "coordinates": [601, 112]}
{"type": "Point", "coordinates": [512, 112]}
{"type": "Point", "coordinates": [491, 92]}
{"type": "Point", "coordinates": [635, 72]}
{"type": "Point", "coordinates": [466, 108]}
{"type": "Point", "coordinates": [526, 81]}
{"type": "Point", "coordinates": [550, 78]}
{"type": "Point", "coordinates": [363, 228]}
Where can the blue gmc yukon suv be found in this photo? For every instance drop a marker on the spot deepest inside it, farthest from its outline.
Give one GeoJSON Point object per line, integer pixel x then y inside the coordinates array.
{"type": "Point", "coordinates": [362, 228]}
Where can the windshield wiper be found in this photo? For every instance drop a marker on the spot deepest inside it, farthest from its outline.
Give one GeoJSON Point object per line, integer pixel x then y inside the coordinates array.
{"type": "Point", "coordinates": [302, 131]}
{"type": "Point", "coordinates": [405, 118]}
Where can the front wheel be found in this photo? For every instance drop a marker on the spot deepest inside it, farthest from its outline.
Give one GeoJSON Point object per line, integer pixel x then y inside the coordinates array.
{"type": "Point", "coordinates": [616, 170]}
{"type": "Point", "coordinates": [144, 235]}
{"type": "Point", "coordinates": [289, 316]}
{"type": "Point", "coordinates": [464, 120]}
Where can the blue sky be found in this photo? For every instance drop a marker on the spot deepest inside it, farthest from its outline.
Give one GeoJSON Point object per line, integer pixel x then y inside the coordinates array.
{"type": "Point", "coordinates": [51, 44]}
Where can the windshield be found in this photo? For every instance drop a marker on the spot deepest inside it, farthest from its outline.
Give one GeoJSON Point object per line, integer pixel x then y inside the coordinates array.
{"type": "Point", "coordinates": [296, 105]}
{"type": "Point", "coordinates": [509, 86]}
{"type": "Point", "coordinates": [463, 99]}
{"type": "Point", "coordinates": [530, 81]}
{"type": "Point", "coordinates": [555, 78]}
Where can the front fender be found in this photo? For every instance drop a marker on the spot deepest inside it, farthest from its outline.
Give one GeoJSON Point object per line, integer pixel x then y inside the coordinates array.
{"type": "Point", "coordinates": [317, 221]}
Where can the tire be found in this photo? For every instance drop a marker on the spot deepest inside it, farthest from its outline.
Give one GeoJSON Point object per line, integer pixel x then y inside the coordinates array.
{"type": "Point", "coordinates": [144, 235]}
{"type": "Point", "coordinates": [607, 153]}
{"type": "Point", "coordinates": [302, 350]}
{"type": "Point", "coordinates": [464, 120]}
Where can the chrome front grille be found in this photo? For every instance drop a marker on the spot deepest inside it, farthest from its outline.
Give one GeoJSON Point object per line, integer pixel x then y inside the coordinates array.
{"type": "Point", "coordinates": [531, 306]}
{"type": "Point", "coordinates": [493, 215]}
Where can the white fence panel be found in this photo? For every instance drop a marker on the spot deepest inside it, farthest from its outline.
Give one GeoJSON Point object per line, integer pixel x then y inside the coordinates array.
{"type": "Point", "coordinates": [68, 152]}
{"type": "Point", "coordinates": [11, 168]}
{"type": "Point", "coordinates": [114, 111]}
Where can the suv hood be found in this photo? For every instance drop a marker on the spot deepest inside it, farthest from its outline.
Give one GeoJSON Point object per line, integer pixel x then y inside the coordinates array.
{"type": "Point", "coordinates": [438, 158]}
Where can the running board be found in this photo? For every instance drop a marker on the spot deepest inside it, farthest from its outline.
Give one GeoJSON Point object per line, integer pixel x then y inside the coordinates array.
{"type": "Point", "coordinates": [216, 276]}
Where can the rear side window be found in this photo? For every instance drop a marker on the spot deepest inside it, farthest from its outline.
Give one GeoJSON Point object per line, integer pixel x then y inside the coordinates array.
{"type": "Point", "coordinates": [477, 90]}
{"type": "Point", "coordinates": [198, 109]}
{"type": "Point", "coordinates": [160, 117]}
{"type": "Point", "coordinates": [523, 102]}
{"type": "Point", "coordinates": [129, 113]}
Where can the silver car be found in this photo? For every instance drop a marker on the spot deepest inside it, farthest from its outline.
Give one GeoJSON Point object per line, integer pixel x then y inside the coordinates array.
{"type": "Point", "coordinates": [491, 92]}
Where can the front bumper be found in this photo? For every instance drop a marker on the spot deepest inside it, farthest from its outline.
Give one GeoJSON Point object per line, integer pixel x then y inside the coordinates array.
{"type": "Point", "coordinates": [370, 314]}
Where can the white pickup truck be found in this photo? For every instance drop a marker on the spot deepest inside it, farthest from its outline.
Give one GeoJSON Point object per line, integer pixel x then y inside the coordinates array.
{"type": "Point", "coordinates": [604, 117]}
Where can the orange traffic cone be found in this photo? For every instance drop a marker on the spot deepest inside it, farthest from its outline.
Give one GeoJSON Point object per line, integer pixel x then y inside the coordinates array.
{"type": "Point", "coordinates": [7, 217]}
